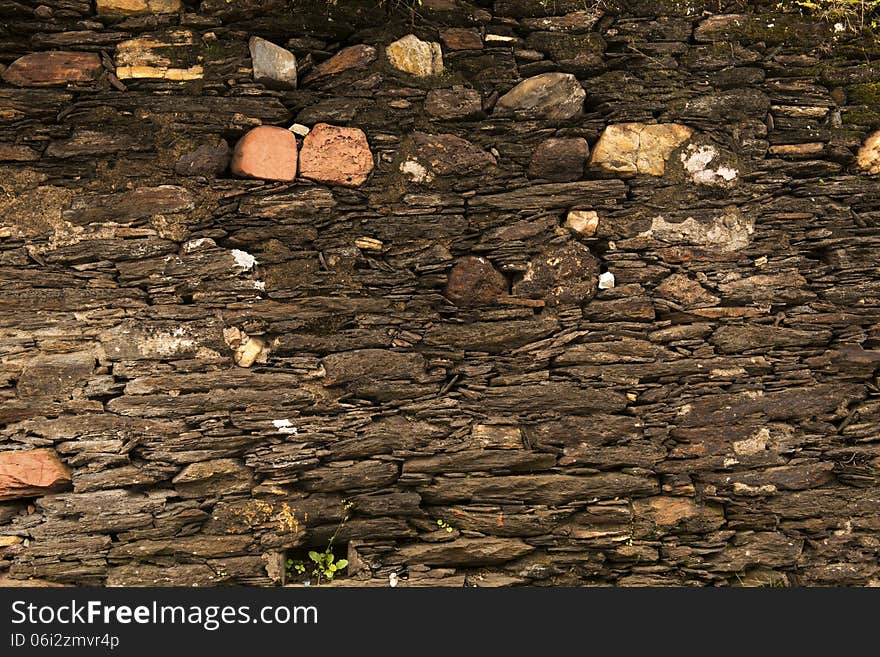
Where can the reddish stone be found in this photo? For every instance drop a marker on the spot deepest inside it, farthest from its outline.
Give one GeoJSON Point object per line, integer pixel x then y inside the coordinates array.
{"type": "Point", "coordinates": [266, 152]}
{"type": "Point", "coordinates": [353, 58]}
{"type": "Point", "coordinates": [336, 156]}
{"type": "Point", "coordinates": [41, 69]}
{"type": "Point", "coordinates": [28, 473]}
{"type": "Point", "coordinates": [560, 160]}
{"type": "Point", "coordinates": [458, 38]}
{"type": "Point", "coordinates": [474, 281]}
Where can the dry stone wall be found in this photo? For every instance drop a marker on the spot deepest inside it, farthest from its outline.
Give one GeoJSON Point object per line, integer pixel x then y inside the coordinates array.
{"type": "Point", "coordinates": [596, 288]}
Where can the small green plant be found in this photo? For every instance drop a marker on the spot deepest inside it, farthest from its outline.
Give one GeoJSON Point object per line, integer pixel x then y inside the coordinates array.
{"type": "Point", "coordinates": [324, 564]}
{"type": "Point", "coordinates": [845, 15]}
{"type": "Point", "coordinates": [444, 525]}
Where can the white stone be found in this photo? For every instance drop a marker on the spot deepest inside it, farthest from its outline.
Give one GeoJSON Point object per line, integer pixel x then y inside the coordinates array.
{"type": "Point", "coordinates": [415, 171]}
{"type": "Point", "coordinates": [606, 281]}
{"type": "Point", "coordinates": [285, 426]}
{"type": "Point", "coordinates": [243, 260]}
{"type": "Point", "coordinates": [696, 161]}
{"type": "Point", "coordinates": [299, 129]}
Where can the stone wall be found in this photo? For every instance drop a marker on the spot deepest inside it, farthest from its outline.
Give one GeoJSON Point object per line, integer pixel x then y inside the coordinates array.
{"type": "Point", "coordinates": [596, 288]}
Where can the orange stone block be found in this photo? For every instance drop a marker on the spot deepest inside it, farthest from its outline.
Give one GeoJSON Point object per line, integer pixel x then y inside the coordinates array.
{"type": "Point", "coordinates": [266, 152]}
{"type": "Point", "coordinates": [336, 156]}
{"type": "Point", "coordinates": [28, 473]}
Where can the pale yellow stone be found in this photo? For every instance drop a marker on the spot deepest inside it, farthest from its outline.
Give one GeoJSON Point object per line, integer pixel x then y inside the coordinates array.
{"type": "Point", "coordinates": [868, 157]}
{"type": "Point", "coordinates": [178, 74]}
{"type": "Point", "coordinates": [368, 244]}
{"type": "Point", "coordinates": [416, 57]}
{"type": "Point", "coordinates": [584, 222]}
{"type": "Point", "coordinates": [7, 541]}
{"type": "Point", "coordinates": [249, 352]}
{"type": "Point", "coordinates": [135, 7]}
{"type": "Point", "coordinates": [152, 57]}
{"type": "Point", "coordinates": [633, 148]}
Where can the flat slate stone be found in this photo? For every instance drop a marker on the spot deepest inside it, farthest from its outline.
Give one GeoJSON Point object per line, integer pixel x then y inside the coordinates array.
{"type": "Point", "coordinates": [560, 160]}
{"type": "Point", "coordinates": [353, 58]}
{"type": "Point", "coordinates": [43, 69]}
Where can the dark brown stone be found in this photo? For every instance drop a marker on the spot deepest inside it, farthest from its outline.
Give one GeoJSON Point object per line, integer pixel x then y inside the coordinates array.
{"type": "Point", "coordinates": [561, 276]}
{"type": "Point", "coordinates": [40, 69]}
{"type": "Point", "coordinates": [560, 160]}
{"type": "Point", "coordinates": [456, 38]}
{"type": "Point", "coordinates": [473, 281]}
{"type": "Point", "coordinates": [453, 104]}
{"type": "Point", "coordinates": [209, 158]}
{"type": "Point", "coordinates": [353, 58]}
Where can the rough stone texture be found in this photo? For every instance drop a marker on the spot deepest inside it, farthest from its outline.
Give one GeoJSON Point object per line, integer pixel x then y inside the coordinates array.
{"type": "Point", "coordinates": [416, 57]}
{"type": "Point", "coordinates": [273, 65]}
{"type": "Point", "coordinates": [474, 281]}
{"type": "Point", "coordinates": [868, 157]}
{"type": "Point", "coordinates": [431, 156]}
{"type": "Point", "coordinates": [456, 103]}
{"type": "Point", "coordinates": [560, 160]}
{"type": "Point", "coordinates": [336, 156]}
{"type": "Point", "coordinates": [553, 96]}
{"type": "Point", "coordinates": [266, 152]}
{"type": "Point", "coordinates": [710, 420]}
{"type": "Point", "coordinates": [42, 69]}
{"type": "Point", "coordinates": [353, 58]}
{"type": "Point", "coordinates": [169, 55]}
{"type": "Point", "coordinates": [560, 276]}
{"type": "Point", "coordinates": [138, 7]}
{"type": "Point", "coordinates": [28, 473]}
{"type": "Point", "coordinates": [209, 157]}
{"type": "Point", "coordinates": [631, 148]}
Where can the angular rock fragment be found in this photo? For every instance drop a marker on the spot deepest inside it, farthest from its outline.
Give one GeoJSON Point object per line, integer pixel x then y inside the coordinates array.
{"type": "Point", "coordinates": [553, 96]}
{"type": "Point", "coordinates": [272, 65]}
{"type": "Point", "coordinates": [561, 276]}
{"type": "Point", "coordinates": [685, 291]}
{"type": "Point", "coordinates": [482, 551]}
{"type": "Point", "coordinates": [43, 69]}
{"type": "Point", "coordinates": [452, 104]}
{"type": "Point", "coordinates": [473, 281]}
{"type": "Point", "coordinates": [458, 38]}
{"type": "Point", "coordinates": [208, 158]}
{"type": "Point", "coordinates": [336, 156]}
{"type": "Point", "coordinates": [638, 148]}
{"type": "Point", "coordinates": [868, 157]}
{"type": "Point", "coordinates": [28, 473]}
{"type": "Point", "coordinates": [266, 152]}
{"type": "Point", "coordinates": [353, 58]}
{"type": "Point", "coordinates": [560, 160]}
{"type": "Point", "coordinates": [211, 478]}
{"type": "Point", "coordinates": [442, 155]}
{"type": "Point", "coordinates": [55, 375]}
{"type": "Point", "coordinates": [583, 222]}
{"type": "Point", "coordinates": [416, 57]}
